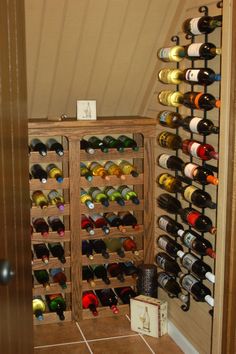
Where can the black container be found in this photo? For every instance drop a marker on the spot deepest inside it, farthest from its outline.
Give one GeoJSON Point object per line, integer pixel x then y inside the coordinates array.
{"type": "Point", "coordinates": [147, 280]}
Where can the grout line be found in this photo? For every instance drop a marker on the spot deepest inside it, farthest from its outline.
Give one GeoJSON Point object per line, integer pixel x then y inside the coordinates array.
{"type": "Point", "coordinates": [85, 340]}
{"type": "Point", "coordinates": [58, 344]}
{"type": "Point", "coordinates": [108, 338]}
{"type": "Point", "coordinates": [143, 338]}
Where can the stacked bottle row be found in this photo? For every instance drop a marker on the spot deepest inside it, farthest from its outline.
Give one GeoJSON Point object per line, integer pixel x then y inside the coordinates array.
{"type": "Point", "coordinates": [185, 158]}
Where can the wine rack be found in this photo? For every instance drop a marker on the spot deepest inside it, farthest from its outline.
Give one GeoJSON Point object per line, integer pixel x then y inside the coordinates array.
{"type": "Point", "coordinates": [70, 132]}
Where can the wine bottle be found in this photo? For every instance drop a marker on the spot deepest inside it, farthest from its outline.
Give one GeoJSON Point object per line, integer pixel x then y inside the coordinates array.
{"type": "Point", "coordinates": [58, 276]}
{"type": "Point", "coordinates": [128, 219]}
{"type": "Point", "coordinates": [199, 150]}
{"type": "Point", "coordinates": [168, 264]}
{"type": "Point", "coordinates": [39, 307]}
{"type": "Point", "coordinates": [39, 146]}
{"type": "Point", "coordinates": [169, 140]}
{"type": "Point", "coordinates": [108, 298]}
{"type": "Point", "coordinates": [100, 272]}
{"type": "Point", "coordinates": [170, 162]}
{"type": "Point", "coordinates": [196, 243]}
{"type": "Point", "coordinates": [57, 250]}
{"type": "Point", "coordinates": [127, 168]}
{"type": "Point", "coordinates": [41, 252]}
{"type": "Point", "coordinates": [100, 247]}
{"type": "Point", "coordinates": [55, 172]}
{"type": "Point", "coordinates": [170, 98]}
{"type": "Point", "coordinates": [41, 275]}
{"type": "Point", "coordinates": [39, 199]}
{"type": "Point", "coordinates": [115, 270]}
{"type": "Point", "coordinates": [114, 221]}
{"type": "Point", "coordinates": [129, 245]}
{"type": "Point", "coordinates": [196, 266]}
{"type": "Point", "coordinates": [87, 146]}
{"type": "Point", "coordinates": [54, 145]}
{"type": "Point", "coordinates": [87, 225]}
{"type": "Point", "coordinates": [167, 244]}
{"type": "Point", "coordinates": [200, 100]}
{"type": "Point", "coordinates": [87, 249]}
{"type": "Point", "coordinates": [41, 226]}
{"type": "Point", "coordinates": [113, 169]}
{"type": "Point", "coordinates": [128, 142]}
{"type": "Point", "coordinates": [168, 283]}
{"type": "Point", "coordinates": [125, 294]}
{"type": "Point", "coordinates": [198, 125]}
{"type": "Point", "coordinates": [115, 245]}
{"type": "Point", "coordinates": [197, 289]}
{"type": "Point", "coordinates": [198, 197]}
{"type": "Point", "coordinates": [166, 202]}
{"type": "Point", "coordinates": [56, 225]}
{"type": "Point", "coordinates": [130, 269]}
{"type": "Point", "coordinates": [193, 76]}
{"type": "Point", "coordinates": [100, 222]}
{"type": "Point", "coordinates": [205, 51]}
{"type": "Point", "coordinates": [114, 195]}
{"type": "Point", "coordinates": [84, 172]}
{"type": "Point", "coordinates": [128, 194]}
{"type": "Point", "coordinates": [199, 221]}
{"type": "Point", "coordinates": [98, 170]}
{"type": "Point", "coordinates": [97, 143]}
{"type": "Point", "coordinates": [87, 274]}
{"type": "Point", "coordinates": [90, 301]}
{"type": "Point", "coordinates": [38, 172]}
{"type": "Point", "coordinates": [56, 198]}
{"type": "Point", "coordinates": [113, 143]}
{"type": "Point", "coordinates": [56, 303]}
{"type": "Point", "coordinates": [169, 183]}
{"type": "Point", "coordinates": [199, 174]}
{"type": "Point", "coordinates": [98, 196]}
{"type": "Point", "coordinates": [170, 119]}
{"type": "Point", "coordinates": [171, 54]}
{"type": "Point", "coordinates": [86, 199]}
{"type": "Point", "coordinates": [166, 223]}
{"type": "Point", "coordinates": [201, 25]}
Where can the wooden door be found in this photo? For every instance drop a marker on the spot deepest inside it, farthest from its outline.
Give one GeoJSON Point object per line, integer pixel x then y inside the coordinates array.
{"type": "Point", "coordinates": [15, 297]}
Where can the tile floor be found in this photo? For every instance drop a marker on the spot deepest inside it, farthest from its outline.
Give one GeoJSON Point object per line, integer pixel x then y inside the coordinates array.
{"type": "Point", "coordinates": [111, 335]}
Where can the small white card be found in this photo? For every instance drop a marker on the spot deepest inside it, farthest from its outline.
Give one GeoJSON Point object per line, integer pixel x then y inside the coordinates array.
{"type": "Point", "coordinates": [86, 110]}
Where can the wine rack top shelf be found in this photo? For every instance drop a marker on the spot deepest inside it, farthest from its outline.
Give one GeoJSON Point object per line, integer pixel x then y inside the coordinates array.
{"type": "Point", "coordinates": [105, 125]}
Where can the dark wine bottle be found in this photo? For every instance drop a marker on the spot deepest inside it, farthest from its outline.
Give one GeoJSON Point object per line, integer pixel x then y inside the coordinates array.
{"type": "Point", "coordinates": [200, 100]}
{"type": "Point", "coordinates": [128, 142]}
{"type": "Point", "coordinates": [198, 197]}
{"type": "Point", "coordinates": [100, 247]}
{"type": "Point", "coordinates": [166, 223]}
{"type": "Point", "coordinates": [56, 225]}
{"type": "Point", "coordinates": [196, 243]}
{"type": "Point", "coordinates": [87, 146]}
{"type": "Point", "coordinates": [170, 162]}
{"type": "Point", "coordinates": [125, 294]}
{"type": "Point", "coordinates": [100, 272]}
{"type": "Point", "coordinates": [171, 204]}
{"type": "Point", "coordinates": [57, 250]}
{"type": "Point", "coordinates": [199, 174]}
{"type": "Point", "coordinates": [194, 218]}
{"type": "Point", "coordinates": [114, 221]}
{"type": "Point", "coordinates": [107, 297]}
{"type": "Point", "coordinates": [38, 172]}
{"type": "Point", "coordinates": [87, 274]}
{"type": "Point", "coordinates": [41, 226]}
{"type": "Point", "coordinates": [205, 51]}
{"type": "Point", "coordinates": [54, 145]}
{"type": "Point", "coordinates": [198, 125]}
{"type": "Point", "coordinates": [113, 143]}
{"type": "Point", "coordinates": [168, 264]}
{"type": "Point", "coordinates": [39, 146]}
{"type": "Point", "coordinates": [115, 270]}
{"type": "Point", "coordinates": [199, 150]}
{"type": "Point", "coordinates": [197, 289]}
{"type": "Point", "coordinates": [168, 283]}
{"type": "Point", "coordinates": [87, 249]}
{"type": "Point", "coordinates": [41, 252]}
{"type": "Point", "coordinates": [201, 25]}
{"type": "Point", "coordinates": [167, 244]}
{"type": "Point", "coordinates": [56, 303]}
{"type": "Point", "coordinates": [97, 143]}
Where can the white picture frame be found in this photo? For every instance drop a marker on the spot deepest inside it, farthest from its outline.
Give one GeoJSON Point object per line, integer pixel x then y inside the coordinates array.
{"type": "Point", "coordinates": [86, 110]}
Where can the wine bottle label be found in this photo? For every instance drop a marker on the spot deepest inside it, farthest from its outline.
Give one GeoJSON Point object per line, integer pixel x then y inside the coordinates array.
{"type": "Point", "coordinates": [163, 116]}
{"type": "Point", "coordinates": [95, 193]}
{"type": "Point", "coordinates": [193, 24]}
{"type": "Point", "coordinates": [163, 139]}
{"type": "Point", "coordinates": [194, 50]}
{"type": "Point", "coordinates": [93, 165]}
{"type": "Point", "coordinates": [188, 282]}
{"type": "Point", "coordinates": [163, 278]}
{"type": "Point", "coordinates": [189, 170]}
{"type": "Point", "coordinates": [162, 243]}
{"type": "Point", "coordinates": [188, 193]}
{"type": "Point", "coordinates": [53, 194]}
{"type": "Point", "coordinates": [193, 149]}
{"type": "Point", "coordinates": [189, 239]}
{"type": "Point", "coordinates": [162, 222]}
{"type": "Point", "coordinates": [164, 53]}
{"type": "Point", "coordinates": [188, 260]}
{"type": "Point", "coordinates": [111, 218]}
{"type": "Point", "coordinates": [163, 160]}
{"type": "Point", "coordinates": [164, 178]}
{"type": "Point", "coordinates": [192, 75]}
{"type": "Point", "coordinates": [108, 164]}
{"type": "Point", "coordinates": [95, 217]}
{"type": "Point", "coordinates": [125, 191]}
{"type": "Point", "coordinates": [161, 261]}
{"type": "Point", "coordinates": [110, 191]}
{"type": "Point", "coordinates": [193, 125]}
{"type": "Point", "coordinates": [192, 217]}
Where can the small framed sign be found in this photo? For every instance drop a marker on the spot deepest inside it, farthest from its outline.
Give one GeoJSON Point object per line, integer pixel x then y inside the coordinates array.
{"type": "Point", "coordinates": [86, 110]}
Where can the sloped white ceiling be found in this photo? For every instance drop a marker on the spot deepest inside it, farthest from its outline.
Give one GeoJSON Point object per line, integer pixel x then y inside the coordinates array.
{"type": "Point", "coordinates": [93, 49]}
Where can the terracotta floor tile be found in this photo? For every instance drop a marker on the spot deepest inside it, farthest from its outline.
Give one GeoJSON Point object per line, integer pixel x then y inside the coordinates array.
{"type": "Point", "coordinates": [56, 333]}
{"type": "Point", "coordinates": [80, 348]}
{"type": "Point", "coordinates": [105, 327]}
{"type": "Point", "coordinates": [163, 345]}
{"type": "Point", "coordinates": [128, 345]}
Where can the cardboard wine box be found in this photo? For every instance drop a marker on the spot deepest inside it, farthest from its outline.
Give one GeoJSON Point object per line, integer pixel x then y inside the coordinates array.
{"type": "Point", "coordinates": [148, 316]}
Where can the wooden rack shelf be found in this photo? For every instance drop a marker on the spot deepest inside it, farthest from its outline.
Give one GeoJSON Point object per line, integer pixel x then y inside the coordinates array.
{"type": "Point", "coordinates": [71, 132]}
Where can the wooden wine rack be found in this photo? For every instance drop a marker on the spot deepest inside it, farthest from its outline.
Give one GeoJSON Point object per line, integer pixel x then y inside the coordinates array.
{"type": "Point", "coordinates": [71, 131]}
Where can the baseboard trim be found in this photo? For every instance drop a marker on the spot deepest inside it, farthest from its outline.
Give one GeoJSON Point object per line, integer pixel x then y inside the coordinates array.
{"type": "Point", "coordinates": [180, 340]}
